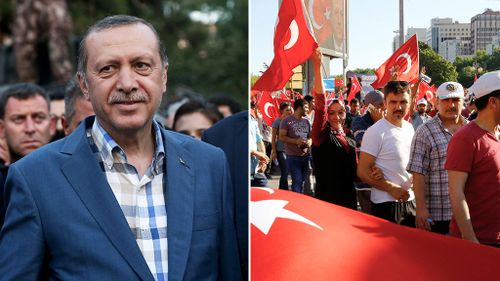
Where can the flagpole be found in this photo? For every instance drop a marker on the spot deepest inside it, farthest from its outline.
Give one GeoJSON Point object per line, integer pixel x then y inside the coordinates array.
{"type": "Point", "coordinates": [344, 45]}
{"type": "Point", "coordinates": [401, 23]}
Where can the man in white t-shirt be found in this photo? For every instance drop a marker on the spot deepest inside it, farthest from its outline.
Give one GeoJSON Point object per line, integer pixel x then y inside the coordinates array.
{"type": "Point", "coordinates": [387, 145]}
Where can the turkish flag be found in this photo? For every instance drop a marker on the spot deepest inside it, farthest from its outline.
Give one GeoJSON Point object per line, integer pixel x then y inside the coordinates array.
{"type": "Point", "coordinates": [320, 14]}
{"type": "Point", "coordinates": [297, 237]}
{"type": "Point", "coordinates": [424, 90]}
{"type": "Point", "coordinates": [339, 82]}
{"type": "Point", "coordinates": [355, 88]}
{"type": "Point", "coordinates": [268, 107]}
{"type": "Point", "coordinates": [293, 45]}
{"type": "Point", "coordinates": [405, 59]}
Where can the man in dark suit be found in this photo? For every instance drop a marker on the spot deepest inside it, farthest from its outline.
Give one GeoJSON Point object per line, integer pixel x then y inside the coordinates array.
{"type": "Point", "coordinates": [120, 198]}
{"type": "Point", "coordinates": [231, 134]}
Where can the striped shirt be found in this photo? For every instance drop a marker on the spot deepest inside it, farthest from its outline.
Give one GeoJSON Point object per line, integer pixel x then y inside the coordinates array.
{"type": "Point", "coordinates": [140, 198]}
{"type": "Point", "coordinates": [427, 157]}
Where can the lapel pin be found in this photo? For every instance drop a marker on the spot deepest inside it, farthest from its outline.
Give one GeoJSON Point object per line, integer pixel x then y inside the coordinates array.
{"type": "Point", "coordinates": [183, 162]}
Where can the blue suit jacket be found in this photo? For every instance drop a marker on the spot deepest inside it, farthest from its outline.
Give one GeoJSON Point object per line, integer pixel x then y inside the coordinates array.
{"type": "Point", "coordinates": [63, 222]}
{"type": "Point", "coordinates": [231, 134]}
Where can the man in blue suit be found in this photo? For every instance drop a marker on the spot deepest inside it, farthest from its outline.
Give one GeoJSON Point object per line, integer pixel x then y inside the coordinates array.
{"type": "Point", "coordinates": [120, 198]}
{"type": "Point", "coordinates": [231, 134]}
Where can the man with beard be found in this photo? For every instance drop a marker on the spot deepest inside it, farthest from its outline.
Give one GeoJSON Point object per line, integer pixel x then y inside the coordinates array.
{"type": "Point", "coordinates": [25, 123]}
{"type": "Point", "coordinates": [295, 133]}
{"type": "Point", "coordinates": [427, 158]}
{"type": "Point", "coordinates": [386, 145]}
{"type": "Point", "coordinates": [420, 116]}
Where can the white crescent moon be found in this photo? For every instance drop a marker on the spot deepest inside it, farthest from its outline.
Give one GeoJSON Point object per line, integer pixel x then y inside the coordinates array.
{"type": "Point", "coordinates": [294, 35]}
{"type": "Point", "coordinates": [311, 15]}
{"type": "Point", "coordinates": [266, 107]}
{"type": "Point", "coordinates": [408, 61]}
{"type": "Point", "coordinates": [430, 93]}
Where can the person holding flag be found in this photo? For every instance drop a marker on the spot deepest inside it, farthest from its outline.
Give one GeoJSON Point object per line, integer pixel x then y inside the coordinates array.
{"type": "Point", "coordinates": [334, 153]}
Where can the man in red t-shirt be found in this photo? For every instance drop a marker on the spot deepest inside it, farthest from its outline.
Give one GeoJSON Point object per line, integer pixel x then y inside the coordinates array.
{"type": "Point", "coordinates": [473, 164]}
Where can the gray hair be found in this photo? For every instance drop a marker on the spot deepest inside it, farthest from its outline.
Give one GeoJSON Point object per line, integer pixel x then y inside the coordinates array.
{"type": "Point", "coordinates": [110, 22]}
{"type": "Point", "coordinates": [73, 92]}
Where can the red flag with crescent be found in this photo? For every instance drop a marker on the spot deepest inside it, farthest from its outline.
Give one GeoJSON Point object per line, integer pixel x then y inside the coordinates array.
{"type": "Point", "coordinates": [404, 60]}
{"type": "Point", "coordinates": [268, 107]}
{"type": "Point", "coordinates": [293, 45]}
{"type": "Point", "coordinates": [297, 237]}
{"type": "Point", "coordinates": [321, 16]}
{"type": "Point", "coordinates": [424, 90]}
{"type": "Point", "coordinates": [339, 82]}
{"type": "Point", "coordinates": [355, 88]}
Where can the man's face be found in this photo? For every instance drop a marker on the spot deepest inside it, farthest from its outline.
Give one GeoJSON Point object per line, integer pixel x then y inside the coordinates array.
{"type": "Point", "coordinates": [287, 111]}
{"type": "Point", "coordinates": [26, 125]}
{"type": "Point", "coordinates": [421, 108]}
{"type": "Point", "coordinates": [312, 105]}
{"type": "Point", "coordinates": [57, 111]}
{"type": "Point", "coordinates": [125, 78]}
{"type": "Point", "coordinates": [305, 109]}
{"type": "Point", "coordinates": [450, 108]}
{"type": "Point", "coordinates": [354, 107]}
{"type": "Point", "coordinates": [396, 105]}
{"type": "Point", "coordinates": [83, 108]}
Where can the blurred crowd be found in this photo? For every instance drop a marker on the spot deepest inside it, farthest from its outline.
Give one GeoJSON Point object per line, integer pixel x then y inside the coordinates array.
{"type": "Point", "coordinates": [395, 154]}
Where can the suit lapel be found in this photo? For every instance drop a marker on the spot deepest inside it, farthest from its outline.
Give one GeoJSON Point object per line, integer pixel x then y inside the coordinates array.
{"type": "Point", "coordinates": [89, 182]}
{"type": "Point", "coordinates": [180, 195]}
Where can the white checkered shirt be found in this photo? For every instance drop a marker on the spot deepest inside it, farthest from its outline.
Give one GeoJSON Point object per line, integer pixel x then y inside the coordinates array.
{"type": "Point", "coordinates": [141, 199]}
{"type": "Point", "coordinates": [427, 157]}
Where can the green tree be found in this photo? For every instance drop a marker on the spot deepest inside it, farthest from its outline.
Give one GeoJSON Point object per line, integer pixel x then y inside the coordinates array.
{"type": "Point", "coordinates": [492, 63]}
{"type": "Point", "coordinates": [206, 40]}
{"type": "Point", "coordinates": [470, 67]}
{"type": "Point", "coordinates": [364, 70]}
{"type": "Point", "coordinates": [436, 67]}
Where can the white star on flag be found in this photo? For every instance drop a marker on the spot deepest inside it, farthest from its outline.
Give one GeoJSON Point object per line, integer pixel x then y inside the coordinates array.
{"type": "Point", "coordinates": [265, 212]}
{"type": "Point", "coordinates": [327, 13]}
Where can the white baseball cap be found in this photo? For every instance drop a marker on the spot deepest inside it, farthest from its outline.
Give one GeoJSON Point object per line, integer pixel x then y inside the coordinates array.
{"type": "Point", "coordinates": [449, 90]}
{"type": "Point", "coordinates": [422, 101]}
{"type": "Point", "coordinates": [486, 84]}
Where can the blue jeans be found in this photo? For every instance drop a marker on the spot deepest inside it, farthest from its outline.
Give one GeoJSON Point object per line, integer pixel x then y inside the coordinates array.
{"type": "Point", "coordinates": [283, 169]}
{"type": "Point", "coordinates": [298, 166]}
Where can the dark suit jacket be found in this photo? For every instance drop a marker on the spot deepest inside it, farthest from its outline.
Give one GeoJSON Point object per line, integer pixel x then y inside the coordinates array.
{"type": "Point", "coordinates": [63, 222]}
{"type": "Point", "coordinates": [231, 134]}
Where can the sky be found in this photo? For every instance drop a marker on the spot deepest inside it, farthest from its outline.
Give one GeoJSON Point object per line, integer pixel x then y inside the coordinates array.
{"type": "Point", "coordinates": [371, 27]}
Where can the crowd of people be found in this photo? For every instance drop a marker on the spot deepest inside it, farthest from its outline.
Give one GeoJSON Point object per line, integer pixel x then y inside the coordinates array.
{"type": "Point", "coordinates": [412, 162]}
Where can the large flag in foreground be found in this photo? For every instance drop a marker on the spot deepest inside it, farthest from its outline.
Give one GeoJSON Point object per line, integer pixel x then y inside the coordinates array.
{"type": "Point", "coordinates": [404, 60]}
{"type": "Point", "coordinates": [296, 237]}
{"type": "Point", "coordinates": [293, 44]}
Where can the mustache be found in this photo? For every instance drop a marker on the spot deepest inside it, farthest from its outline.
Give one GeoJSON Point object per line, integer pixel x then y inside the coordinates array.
{"type": "Point", "coordinates": [121, 97]}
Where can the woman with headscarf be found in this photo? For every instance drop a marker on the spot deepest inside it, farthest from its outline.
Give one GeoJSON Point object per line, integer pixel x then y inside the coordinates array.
{"type": "Point", "coordinates": [334, 153]}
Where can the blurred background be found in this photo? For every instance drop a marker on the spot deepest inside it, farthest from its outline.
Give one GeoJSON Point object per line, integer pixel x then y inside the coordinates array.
{"type": "Point", "coordinates": [206, 42]}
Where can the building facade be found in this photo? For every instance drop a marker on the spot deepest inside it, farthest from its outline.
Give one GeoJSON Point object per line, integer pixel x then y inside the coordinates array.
{"type": "Point", "coordinates": [484, 30]}
{"type": "Point", "coordinates": [444, 29]}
